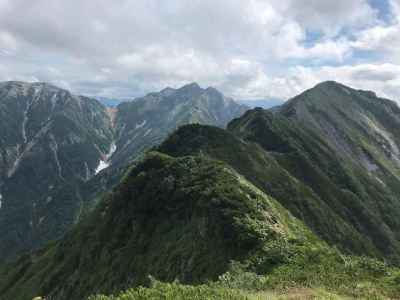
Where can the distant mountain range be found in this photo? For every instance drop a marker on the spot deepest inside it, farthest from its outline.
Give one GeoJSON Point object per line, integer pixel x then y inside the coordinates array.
{"type": "Point", "coordinates": [298, 194]}
{"type": "Point", "coordinates": [264, 103]}
{"type": "Point", "coordinates": [267, 103]}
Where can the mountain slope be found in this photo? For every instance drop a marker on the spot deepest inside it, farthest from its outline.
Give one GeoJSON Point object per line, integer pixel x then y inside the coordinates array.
{"type": "Point", "coordinates": [336, 198]}
{"type": "Point", "coordinates": [357, 198]}
{"type": "Point", "coordinates": [362, 129]}
{"type": "Point", "coordinates": [145, 122]}
{"type": "Point", "coordinates": [174, 218]}
{"type": "Point", "coordinates": [357, 124]}
{"type": "Point", "coordinates": [51, 140]}
{"type": "Point", "coordinates": [59, 152]}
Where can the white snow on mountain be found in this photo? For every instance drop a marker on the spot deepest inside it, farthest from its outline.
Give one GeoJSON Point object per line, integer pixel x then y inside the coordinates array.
{"type": "Point", "coordinates": [140, 125]}
{"type": "Point", "coordinates": [105, 163]}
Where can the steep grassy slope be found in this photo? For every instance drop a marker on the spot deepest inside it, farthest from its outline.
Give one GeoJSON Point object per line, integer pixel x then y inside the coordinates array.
{"type": "Point", "coordinates": [339, 147]}
{"type": "Point", "coordinates": [336, 198]}
{"type": "Point", "coordinates": [174, 218]}
{"type": "Point", "coordinates": [363, 131]}
{"type": "Point", "coordinates": [357, 124]}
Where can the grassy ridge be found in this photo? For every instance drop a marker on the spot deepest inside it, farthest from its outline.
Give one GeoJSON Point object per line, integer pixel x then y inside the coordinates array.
{"type": "Point", "coordinates": [180, 218]}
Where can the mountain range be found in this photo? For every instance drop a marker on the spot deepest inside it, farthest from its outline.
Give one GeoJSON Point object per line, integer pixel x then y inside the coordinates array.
{"type": "Point", "coordinates": [54, 143]}
{"type": "Point", "coordinates": [263, 103]}
{"type": "Point", "coordinates": [188, 185]}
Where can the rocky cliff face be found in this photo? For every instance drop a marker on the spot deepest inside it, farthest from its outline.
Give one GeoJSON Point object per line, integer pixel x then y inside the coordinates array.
{"type": "Point", "coordinates": [50, 141]}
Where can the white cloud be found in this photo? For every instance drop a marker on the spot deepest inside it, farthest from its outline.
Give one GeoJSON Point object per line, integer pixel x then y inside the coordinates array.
{"type": "Point", "coordinates": [328, 16]}
{"type": "Point", "coordinates": [248, 49]}
{"type": "Point", "coordinates": [382, 39]}
{"type": "Point", "coordinates": [8, 44]}
{"type": "Point", "coordinates": [384, 79]}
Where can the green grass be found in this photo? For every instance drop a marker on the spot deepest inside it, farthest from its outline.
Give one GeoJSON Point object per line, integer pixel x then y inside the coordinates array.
{"type": "Point", "coordinates": [180, 218]}
{"type": "Point", "coordinates": [340, 202]}
{"type": "Point", "coordinates": [311, 273]}
{"type": "Point", "coordinates": [216, 291]}
{"type": "Point", "coordinates": [176, 291]}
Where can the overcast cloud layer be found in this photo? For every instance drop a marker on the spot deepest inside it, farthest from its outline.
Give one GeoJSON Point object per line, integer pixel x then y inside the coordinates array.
{"type": "Point", "coordinates": [249, 49]}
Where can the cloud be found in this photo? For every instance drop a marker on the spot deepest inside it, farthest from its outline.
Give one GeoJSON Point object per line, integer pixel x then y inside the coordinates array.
{"type": "Point", "coordinates": [329, 16]}
{"type": "Point", "coordinates": [248, 49]}
{"type": "Point", "coordinates": [384, 79]}
{"type": "Point", "coordinates": [8, 44]}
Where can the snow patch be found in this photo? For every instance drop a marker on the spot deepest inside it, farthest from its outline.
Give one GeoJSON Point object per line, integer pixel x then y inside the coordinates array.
{"type": "Point", "coordinates": [54, 148]}
{"type": "Point", "coordinates": [27, 148]}
{"type": "Point", "coordinates": [147, 132]}
{"type": "Point", "coordinates": [1, 200]}
{"type": "Point", "coordinates": [105, 163]}
{"type": "Point", "coordinates": [29, 103]}
{"type": "Point", "coordinates": [102, 165]}
{"type": "Point", "coordinates": [140, 125]}
{"type": "Point", "coordinates": [53, 102]}
{"type": "Point", "coordinates": [25, 120]}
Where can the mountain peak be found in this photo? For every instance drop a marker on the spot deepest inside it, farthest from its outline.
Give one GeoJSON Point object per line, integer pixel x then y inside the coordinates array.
{"type": "Point", "coordinates": [191, 86]}
{"type": "Point", "coordinates": [23, 87]}
{"type": "Point", "coordinates": [334, 85]}
{"type": "Point", "coordinates": [328, 83]}
{"type": "Point", "coordinates": [167, 91]}
{"type": "Point", "coordinates": [213, 90]}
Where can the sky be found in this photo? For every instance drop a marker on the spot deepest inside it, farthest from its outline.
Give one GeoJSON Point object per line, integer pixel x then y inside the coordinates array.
{"type": "Point", "coordinates": [248, 49]}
